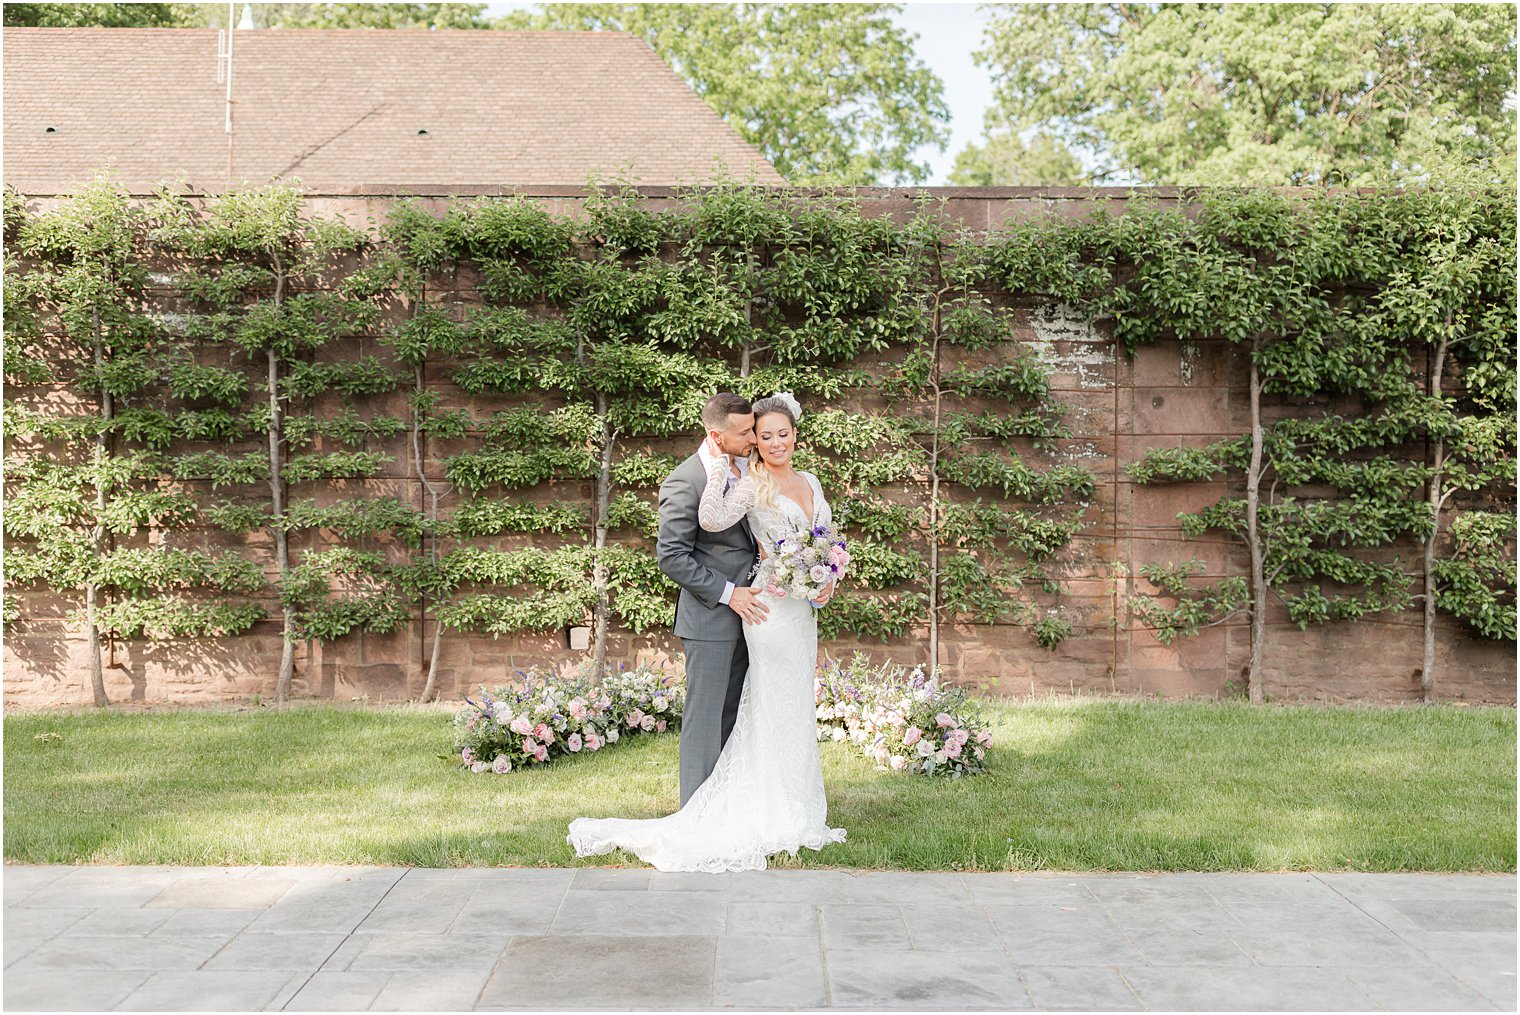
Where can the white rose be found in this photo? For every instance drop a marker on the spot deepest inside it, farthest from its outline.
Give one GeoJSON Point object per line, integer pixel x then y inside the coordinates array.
{"type": "Point", "coordinates": [612, 735]}
{"type": "Point", "coordinates": [839, 734]}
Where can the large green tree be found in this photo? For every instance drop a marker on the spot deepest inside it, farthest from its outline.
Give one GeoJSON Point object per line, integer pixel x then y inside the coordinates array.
{"type": "Point", "coordinates": [95, 15]}
{"type": "Point", "coordinates": [188, 15]}
{"type": "Point", "coordinates": [829, 93]}
{"type": "Point", "coordinates": [1003, 159]}
{"type": "Point", "coordinates": [1269, 94]}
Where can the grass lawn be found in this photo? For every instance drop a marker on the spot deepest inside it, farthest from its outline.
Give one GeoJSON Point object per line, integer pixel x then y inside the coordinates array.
{"type": "Point", "coordinates": [1074, 785]}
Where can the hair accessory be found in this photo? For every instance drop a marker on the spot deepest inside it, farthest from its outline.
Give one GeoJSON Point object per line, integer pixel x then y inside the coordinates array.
{"type": "Point", "coordinates": [785, 397]}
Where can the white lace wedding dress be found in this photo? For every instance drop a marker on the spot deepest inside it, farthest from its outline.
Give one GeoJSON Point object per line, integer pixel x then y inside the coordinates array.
{"type": "Point", "coordinates": [765, 794]}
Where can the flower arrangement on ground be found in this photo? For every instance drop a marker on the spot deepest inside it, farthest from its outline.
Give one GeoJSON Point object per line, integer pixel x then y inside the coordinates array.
{"type": "Point", "coordinates": [545, 716]}
{"type": "Point", "coordinates": [903, 720]}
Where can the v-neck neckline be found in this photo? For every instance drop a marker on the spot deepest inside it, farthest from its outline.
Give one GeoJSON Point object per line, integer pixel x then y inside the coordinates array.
{"type": "Point", "coordinates": [812, 519]}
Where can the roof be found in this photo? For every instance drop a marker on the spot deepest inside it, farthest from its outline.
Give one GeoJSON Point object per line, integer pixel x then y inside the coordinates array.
{"type": "Point", "coordinates": [339, 109]}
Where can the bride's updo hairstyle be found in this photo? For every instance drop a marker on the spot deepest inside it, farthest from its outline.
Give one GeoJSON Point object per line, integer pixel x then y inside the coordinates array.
{"type": "Point", "coordinates": [765, 484]}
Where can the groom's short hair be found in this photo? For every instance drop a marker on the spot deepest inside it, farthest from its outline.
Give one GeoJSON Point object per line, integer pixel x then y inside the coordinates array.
{"type": "Point", "coordinates": [719, 407]}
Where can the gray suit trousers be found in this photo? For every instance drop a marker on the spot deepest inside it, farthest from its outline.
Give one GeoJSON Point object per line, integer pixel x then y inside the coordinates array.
{"type": "Point", "coordinates": [714, 680]}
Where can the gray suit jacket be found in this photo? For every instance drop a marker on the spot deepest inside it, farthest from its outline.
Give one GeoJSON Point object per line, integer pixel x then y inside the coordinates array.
{"type": "Point", "coordinates": [699, 561]}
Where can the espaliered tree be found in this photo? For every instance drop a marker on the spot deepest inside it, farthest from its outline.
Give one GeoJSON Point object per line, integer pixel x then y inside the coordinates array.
{"type": "Point", "coordinates": [91, 287]}
{"type": "Point", "coordinates": [254, 267]}
{"type": "Point", "coordinates": [1308, 290]}
{"type": "Point", "coordinates": [993, 427]}
{"type": "Point", "coordinates": [1454, 295]}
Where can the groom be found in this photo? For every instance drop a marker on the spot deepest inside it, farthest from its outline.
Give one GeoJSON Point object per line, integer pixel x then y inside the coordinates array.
{"type": "Point", "coordinates": [712, 569]}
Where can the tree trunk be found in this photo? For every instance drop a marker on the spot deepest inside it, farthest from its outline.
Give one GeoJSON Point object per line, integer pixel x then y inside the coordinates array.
{"type": "Point", "coordinates": [1253, 537]}
{"type": "Point", "coordinates": [1434, 495]}
{"type": "Point", "coordinates": [277, 499]}
{"type": "Point", "coordinates": [934, 488]}
{"type": "Point", "coordinates": [98, 533]}
{"type": "Point", "coordinates": [430, 688]}
{"type": "Point", "coordinates": [599, 567]}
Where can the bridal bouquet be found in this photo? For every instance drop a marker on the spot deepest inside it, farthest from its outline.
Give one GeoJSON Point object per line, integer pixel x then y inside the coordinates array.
{"type": "Point", "coordinates": [801, 565]}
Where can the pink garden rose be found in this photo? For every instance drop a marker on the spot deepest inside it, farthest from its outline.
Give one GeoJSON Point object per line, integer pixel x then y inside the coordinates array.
{"type": "Point", "coordinates": [647, 723]}
{"type": "Point", "coordinates": [530, 746]}
{"type": "Point", "coordinates": [899, 762]}
{"type": "Point", "coordinates": [578, 709]}
{"type": "Point", "coordinates": [946, 719]}
{"type": "Point", "coordinates": [913, 736]}
{"type": "Point", "coordinates": [959, 737]}
{"type": "Point", "coordinates": [542, 754]}
{"type": "Point", "coordinates": [659, 725]}
{"type": "Point", "coordinates": [502, 765]}
{"type": "Point", "coordinates": [467, 756]}
{"type": "Point", "coordinates": [635, 719]}
{"type": "Point", "coordinates": [544, 733]}
{"type": "Point", "coordinates": [573, 743]}
{"type": "Point", "coordinates": [984, 738]}
{"type": "Point", "coordinates": [593, 742]}
{"type": "Point", "coordinates": [953, 749]}
{"type": "Point", "coordinates": [522, 726]}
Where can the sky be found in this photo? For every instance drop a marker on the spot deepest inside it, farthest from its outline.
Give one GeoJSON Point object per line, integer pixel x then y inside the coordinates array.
{"type": "Point", "coordinates": [947, 36]}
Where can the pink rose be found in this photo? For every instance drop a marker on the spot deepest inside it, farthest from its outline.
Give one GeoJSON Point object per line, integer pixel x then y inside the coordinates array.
{"type": "Point", "coordinates": [542, 754]}
{"type": "Point", "coordinates": [899, 762]}
{"type": "Point", "coordinates": [984, 738]}
{"type": "Point", "coordinates": [502, 765]}
{"type": "Point", "coordinates": [573, 743]}
{"type": "Point", "coordinates": [530, 746]}
{"type": "Point", "coordinates": [635, 718]}
{"type": "Point", "coordinates": [913, 736]}
{"type": "Point", "coordinates": [604, 702]}
{"type": "Point", "coordinates": [593, 742]}
{"type": "Point", "coordinates": [646, 723]}
{"type": "Point", "coordinates": [577, 709]}
{"type": "Point", "coordinates": [980, 754]}
{"type": "Point", "coordinates": [467, 756]}
{"type": "Point", "coordinates": [522, 726]}
{"type": "Point", "coordinates": [945, 719]}
{"type": "Point", "coordinates": [659, 726]}
{"type": "Point", "coordinates": [953, 749]}
{"type": "Point", "coordinates": [544, 733]}
{"type": "Point", "coordinates": [775, 590]}
{"type": "Point", "coordinates": [959, 736]}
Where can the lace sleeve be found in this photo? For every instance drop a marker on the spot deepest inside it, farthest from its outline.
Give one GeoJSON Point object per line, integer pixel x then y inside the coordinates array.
{"type": "Point", "coordinates": [718, 511]}
{"type": "Point", "coordinates": [821, 510]}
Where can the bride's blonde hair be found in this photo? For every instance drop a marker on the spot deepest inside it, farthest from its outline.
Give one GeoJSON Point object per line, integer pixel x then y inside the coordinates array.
{"type": "Point", "coordinates": [766, 486]}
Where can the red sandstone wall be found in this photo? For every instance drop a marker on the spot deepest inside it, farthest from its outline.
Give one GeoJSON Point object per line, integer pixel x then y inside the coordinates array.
{"type": "Point", "coordinates": [1167, 395]}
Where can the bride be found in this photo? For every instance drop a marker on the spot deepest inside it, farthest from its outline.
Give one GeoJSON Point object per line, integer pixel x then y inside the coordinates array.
{"type": "Point", "coordinates": [765, 794]}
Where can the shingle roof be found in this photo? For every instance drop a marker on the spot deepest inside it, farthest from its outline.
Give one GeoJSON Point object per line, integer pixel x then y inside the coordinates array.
{"type": "Point", "coordinates": [344, 108]}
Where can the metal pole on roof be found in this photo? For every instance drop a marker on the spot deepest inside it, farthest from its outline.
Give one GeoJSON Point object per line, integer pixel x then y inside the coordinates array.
{"type": "Point", "coordinates": [224, 73]}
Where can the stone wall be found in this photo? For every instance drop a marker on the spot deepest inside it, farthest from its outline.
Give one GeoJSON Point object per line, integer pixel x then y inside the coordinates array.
{"type": "Point", "coordinates": [1168, 395]}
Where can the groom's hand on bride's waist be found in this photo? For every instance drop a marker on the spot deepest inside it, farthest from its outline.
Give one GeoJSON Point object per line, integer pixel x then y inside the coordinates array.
{"type": "Point", "coordinates": [746, 603]}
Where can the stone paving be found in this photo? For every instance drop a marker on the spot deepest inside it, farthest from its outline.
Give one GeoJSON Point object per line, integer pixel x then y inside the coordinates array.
{"type": "Point", "coordinates": [388, 938]}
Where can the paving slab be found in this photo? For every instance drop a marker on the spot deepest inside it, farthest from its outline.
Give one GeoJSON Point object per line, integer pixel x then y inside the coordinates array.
{"type": "Point", "coordinates": [369, 938]}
